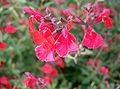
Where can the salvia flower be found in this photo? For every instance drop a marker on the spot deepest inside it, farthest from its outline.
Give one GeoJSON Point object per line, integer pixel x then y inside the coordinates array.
{"type": "Point", "coordinates": [30, 80]}
{"type": "Point", "coordinates": [3, 45]}
{"type": "Point", "coordinates": [9, 28]}
{"type": "Point", "coordinates": [92, 39]}
{"type": "Point", "coordinates": [66, 43]}
{"type": "Point", "coordinates": [50, 71]}
{"type": "Point", "coordinates": [104, 15]}
{"type": "Point", "coordinates": [104, 70]}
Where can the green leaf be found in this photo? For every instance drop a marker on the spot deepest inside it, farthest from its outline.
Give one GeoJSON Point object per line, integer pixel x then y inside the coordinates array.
{"type": "Point", "coordinates": [22, 1]}
{"type": "Point", "coordinates": [0, 36]}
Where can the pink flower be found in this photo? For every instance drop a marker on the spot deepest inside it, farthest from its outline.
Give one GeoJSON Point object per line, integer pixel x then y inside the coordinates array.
{"type": "Point", "coordinates": [45, 51]}
{"type": "Point", "coordinates": [47, 68]}
{"type": "Point", "coordinates": [53, 73]}
{"type": "Point", "coordinates": [50, 71]}
{"type": "Point", "coordinates": [104, 15]}
{"type": "Point", "coordinates": [30, 80]}
{"type": "Point", "coordinates": [44, 54]}
{"type": "Point", "coordinates": [59, 62]}
{"type": "Point", "coordinates": [43, 39]}
{"type": "Point", "coordinates": [28, 10]}
{"type": "Point", "coordinates": [107, 22]}
{"type": "Point", "coordinates": [36, 14]}
{"type": "Point", "coordinates": [66, 43]}
{"type": "Point", "coordinates": [31, 24]}
{"type": "Point", "coordinates": [4, 80]}
{"type": "Point", "coordinates": [67, 12]}
{"type": "Point", "coordinates": [90, 62]}
{"type": "Point", "coordinates": [47, 79]}
{"type": "Point", "coordinates": [37, 37]}
{"type": "Point", "coordinates": [46, 26]}
{"type": "Point", "coordinates": [104, 70]}
{"type": "Point", "coordinates": [105, 47]}
{"type": "Point", "coordinates": [3, 45]}
{"type": "Point", "coordinates": [92, 39]}
{"type": "Point", "coordinates": [9, 28]}
{"type": "Point", "coordinates": [4, 2]}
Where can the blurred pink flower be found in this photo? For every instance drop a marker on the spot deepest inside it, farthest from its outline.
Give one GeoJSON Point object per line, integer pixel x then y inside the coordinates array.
{"type": "Point", "coordinates": [90, 62]}
{"type": "Point", "coordinates": [104, 70]}
{"type": "Point", "coordinates": [3, 45]}
{"type": "Point", "coordinates": [92, 39]}
{"type": "Point", "coordinates": [30, 80]}
{"type": "Point", "coordinates": [104, 15]}
{"type": "Point", "coordinates": [66, 43]}
{"type": "Point", "coordinates": [9, 28]}
{"type": "Point", "coordinates": [47, 68]}
{"type": "Point", "coordinates": [4, 80]}
{"type": "Point", "coordinates": [59, 62]}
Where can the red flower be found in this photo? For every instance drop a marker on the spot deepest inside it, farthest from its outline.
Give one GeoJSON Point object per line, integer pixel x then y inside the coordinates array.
{"type": "Point", "coordinates": [104, 70]}
{"type": "Point", "coordinates": [9, 28]}
{"type": "Point", "coordinates": [36, 14]}
{"type": "Point", "coordinates": [43, 39]}
{"type": "Point", "coordinates": [53, 73]}
{"type": "Point", "coordinates": [2, 63]}
{"type": "Point", "coordinates": [28, 10]}
{"type": "Point", "coordinates": [47, 68]}
{"type": "Point", "coordinates": [30, 80]}
{"type": "Point", "coordinates": [37, 37]}
{"type": "Point", "coordinates": [46, 26]}
{"type": "Point", "coordinates": [4, 2]}
{"type": "Point", "coordinates": [92, 39]}
{"type": "Point", "coordinates": [90, 62]}
{"type": "Point", "coordinates": [31, 24]}
{"type": "Point", "coordinates": [46, 50]}
{"type": "Point", "coordinates": [59, 62]}
{"type": "Point", "coordinates": [50, 71]}
{"type": "Point", "coordinates": [105, 47]}
{"type": "Point", "coordinates": [8, 86]}
{"type": "Point", "coordinates": [66, 43]}
{"type": "Point", "coordinates": [4, 80]}
{"type": "Point", "coordinates": [3, 45]}
{"type": "Point", "coordinates": [105, 17]}
{"type": "Point", "coordinates": [44, 54]}
{"type": "Point", "coordinates": [47, 79]}
{"type": "Point", "coordinates": [107, 22]}
{"type": "Point", "coordinates": [67, 12]}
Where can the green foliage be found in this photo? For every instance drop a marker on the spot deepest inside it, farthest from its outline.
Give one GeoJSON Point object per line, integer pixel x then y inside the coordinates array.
{"type": "Point", "coordinates": [19, 56]}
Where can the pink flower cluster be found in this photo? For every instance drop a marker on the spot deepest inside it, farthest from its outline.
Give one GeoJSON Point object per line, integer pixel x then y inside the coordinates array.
{"type": "Point", "coordinates": [4, 83]}
{"type": "Point", "coordinates": [54, 37]}
{"type": "Point", "coordinates": [49, 39]}
{"type": "Point", "coordinates": [33, 82]}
